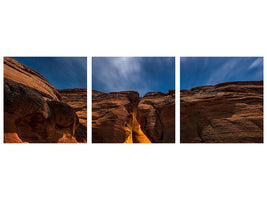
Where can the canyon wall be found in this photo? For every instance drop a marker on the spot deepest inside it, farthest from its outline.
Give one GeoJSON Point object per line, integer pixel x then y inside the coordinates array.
{"type": "Point", "coordinates": [33, 109]}
{"type": "Point", "coordinates": [124, 117]}
{"type": "Point", "coordinates": [229, 112]}
{"type": "Point", "coordinates": [77, 99]}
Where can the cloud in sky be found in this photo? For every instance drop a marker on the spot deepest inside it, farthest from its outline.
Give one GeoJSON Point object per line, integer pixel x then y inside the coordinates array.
{"type": "Point", "coordinates": [199, 71]}
{"type": "Point", "coordinates": [257, 63]}
{"type": "Point", "coordinates": [142, 74]}
{"type": "Point", "coordinates": [61, 72]}
{"type": "Point", "coordinates": [117, 74]}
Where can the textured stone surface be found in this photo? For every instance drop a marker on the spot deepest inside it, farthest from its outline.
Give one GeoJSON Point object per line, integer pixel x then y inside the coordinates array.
{"type": "Point", "coordinates": [33, 111]}
{"type": "Point", "coordinates": [123, 117]}
{"type": "Point", "coordinates": [225, 113]}
{"type": "Point", "coordinates": [19, 73]}
{"type": "Point", "coordinates": [77, 99]}
{"type": "Point", "coordinates": [156, 114]}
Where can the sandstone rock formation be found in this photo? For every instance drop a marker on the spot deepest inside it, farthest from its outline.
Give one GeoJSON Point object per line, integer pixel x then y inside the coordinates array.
{"type": "Point", "coordinates": [33, 111]}
{"type": "Point", "coordinates": [230, 112]}
{"type": "Point", "coordinates": [77, 99]}
{"type": "Point", "coordinates": [124, 117]}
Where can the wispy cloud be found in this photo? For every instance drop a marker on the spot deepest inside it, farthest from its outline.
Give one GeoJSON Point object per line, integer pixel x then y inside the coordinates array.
{"type": "Point", "coordinates": [118, 73]}
{"type": "Point", "coordinates": [224, 71]}
{"type": "Point", "coordinates": [198, 71]}
{"type": "Point", "coordinates": [257, 63]}
{"type": "Point", "coordinates": [142, 74]}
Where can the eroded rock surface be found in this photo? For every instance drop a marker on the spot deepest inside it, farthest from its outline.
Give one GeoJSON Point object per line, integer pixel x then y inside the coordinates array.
{"type": "Point", "coordinates": [19, 73]}
{"type": "Point", "coordinates": [124, 117]}
{"type": "Point", "coordinates": [77, 99]}
{"type": "Point", "coordinates": [225, 113]}
{"type": "Point", "coordinates": [33, 111]}
{"type": "Point", "coordinates": [156, 114]}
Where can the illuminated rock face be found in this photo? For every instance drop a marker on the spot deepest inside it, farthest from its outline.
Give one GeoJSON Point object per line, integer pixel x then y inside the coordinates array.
{"type": "Point", "coordinates": [133, 129]}
{"type": "Point", "coordinates": [33, 111]}
{"type": "Point", "coordinates": [123, 117]}
{"type": "Point", "coordinates": [225, 113]}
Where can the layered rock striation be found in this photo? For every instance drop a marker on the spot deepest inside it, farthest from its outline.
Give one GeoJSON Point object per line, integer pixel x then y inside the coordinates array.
{"type": "Point", "coordinates": [77, 99]}
{"type": "Point", "coordinates": [229, 112]}
{"type": "Point", "coordinates": [33, 110]}
{"type": "Point", "coordinates": [124, 117]}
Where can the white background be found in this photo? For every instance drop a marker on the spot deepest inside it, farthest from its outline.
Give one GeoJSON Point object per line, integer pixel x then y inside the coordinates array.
{"type": "Point", "coordinates": [132, 28]}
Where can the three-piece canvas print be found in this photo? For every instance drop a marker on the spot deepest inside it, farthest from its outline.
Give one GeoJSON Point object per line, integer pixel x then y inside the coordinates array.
{"type": "Point", "coordinates": [133, 100]}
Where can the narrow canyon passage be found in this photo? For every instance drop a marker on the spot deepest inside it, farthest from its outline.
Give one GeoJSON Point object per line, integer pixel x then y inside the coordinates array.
{"type": "Point", "coordinates": [124, 117]}
{"type": "Point", "coordinates": [133, 129]}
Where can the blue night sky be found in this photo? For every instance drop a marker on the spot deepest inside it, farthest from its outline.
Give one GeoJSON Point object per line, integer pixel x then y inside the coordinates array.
{"type": "Point", "coordinates": [61, 72]}
{"type": "Point", "coordinates": [141, 74]}
{"type": "Point", "coordinates": [201, 71]}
